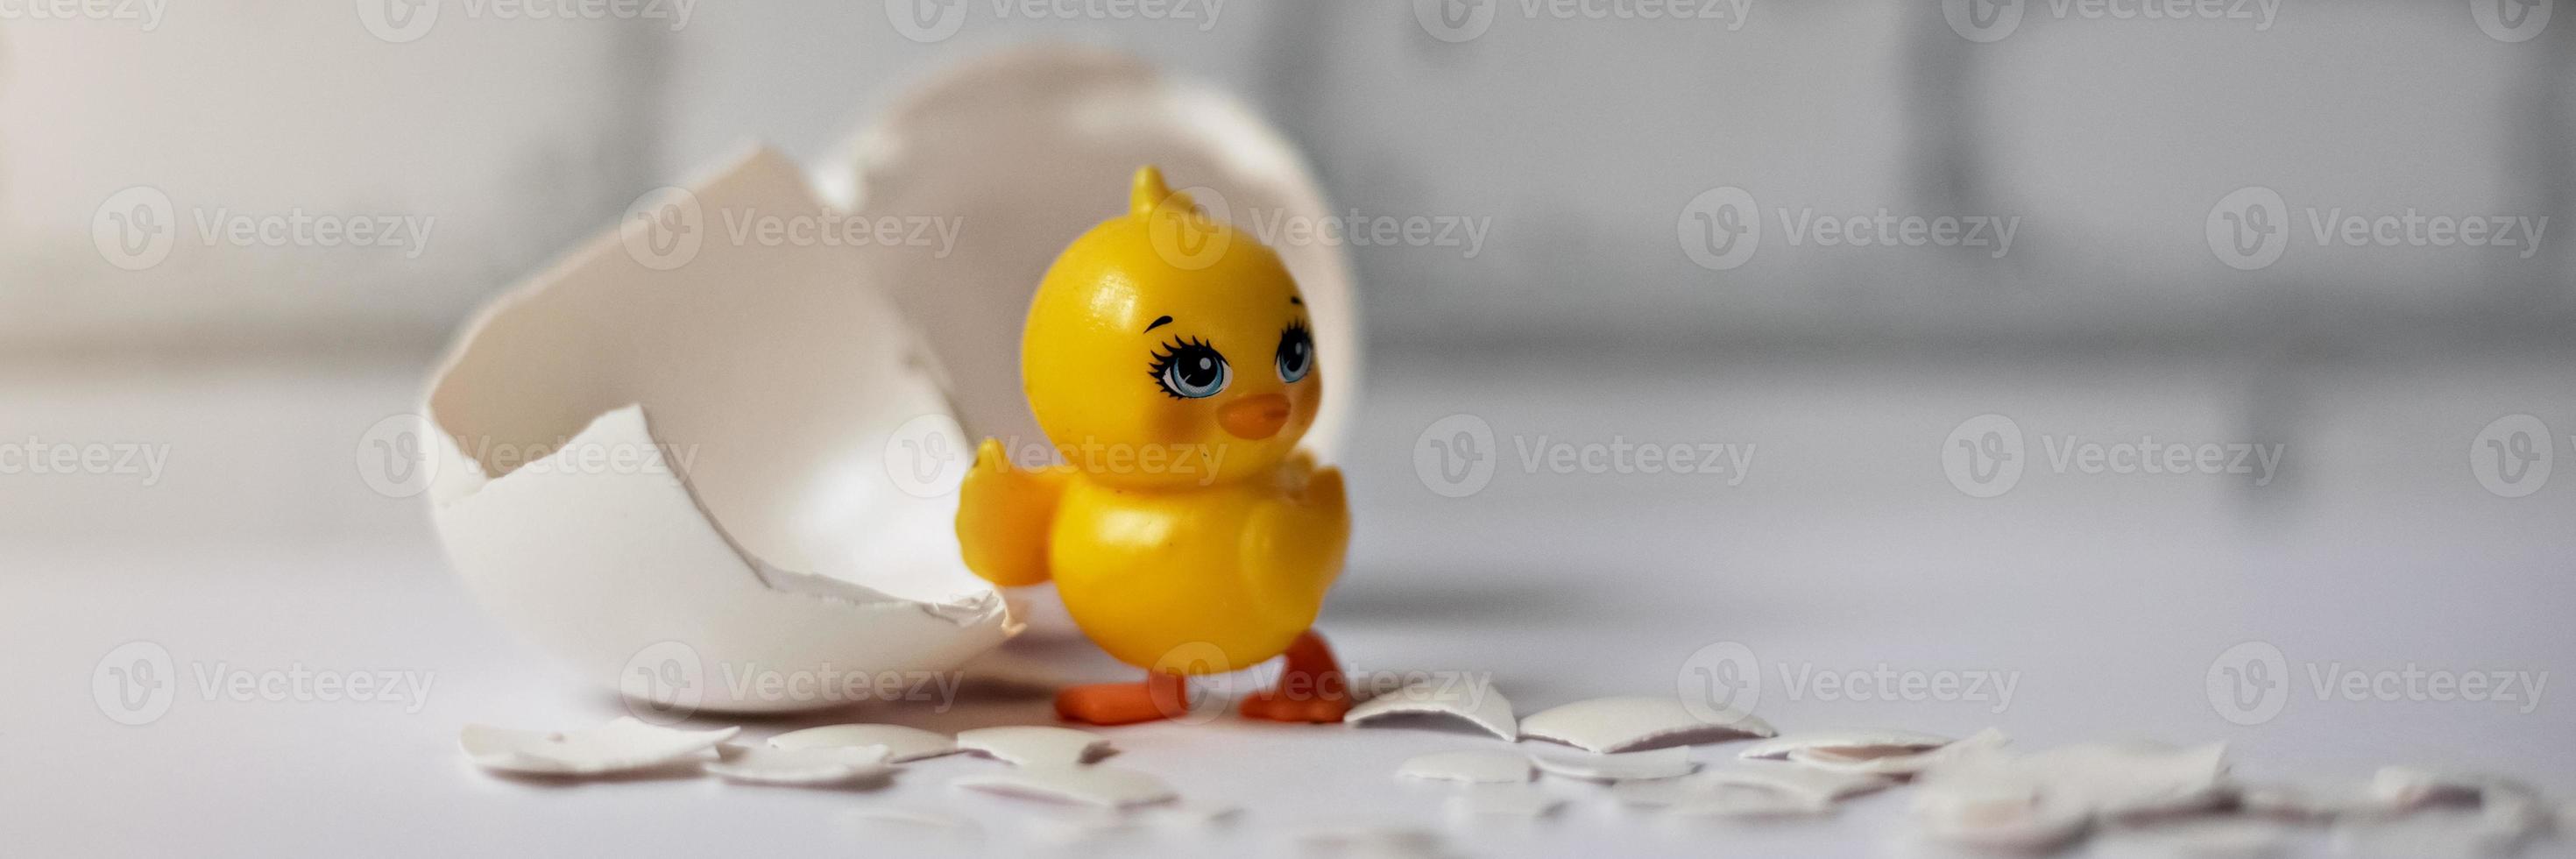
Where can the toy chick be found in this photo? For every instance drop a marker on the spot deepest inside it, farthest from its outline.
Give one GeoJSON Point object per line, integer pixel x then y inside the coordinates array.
{"type": "Point", "coordinates": [1169, 359]}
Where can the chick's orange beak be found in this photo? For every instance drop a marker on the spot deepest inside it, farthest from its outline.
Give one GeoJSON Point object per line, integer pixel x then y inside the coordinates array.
{"type": "Point", "coordinates": [1255, 417]}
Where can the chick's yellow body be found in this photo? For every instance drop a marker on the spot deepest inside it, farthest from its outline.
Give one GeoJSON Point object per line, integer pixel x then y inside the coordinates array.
{"type": "Point", "coordinates": [1169, 359]}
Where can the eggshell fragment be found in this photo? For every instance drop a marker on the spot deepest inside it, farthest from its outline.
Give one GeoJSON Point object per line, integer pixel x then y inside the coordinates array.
{"type": "Point", "coordinates": [1473, 767]}
{"type": "Point", "coordinates": [902, 743]}
{"type": "Point", "coordinates": [2304, 801]}
{"type": "Point", "coordinates": [1370, 842]}
{"type": "Point", "coordinates": [1999, 818]}
{"type": "Point", "coordinates": [1867, 760]}
{"type": "Point", "coordinates": [814, 766]}
{"type": "Point", "coordinates": [1846, 742]}
{"type": "Point", "coordinates": [623, 745]}
{"type": "Point", "coordinates": [672, 459]}
{"type": "Point", "coordinates": [1806, 783]}
{"type": "Point", "coordinates": [1034, 745]}
{"type": "Point", "coordinates": [1103, 786]}
{"type": "Point", "coordinates": [1626, 766]}
{"type": "Point", "coordinates": [1623, 723]}
{"type": "Point", "coordinates": [2112, 780]}
{"type": "Point", "coordinates": [1031, 147]}
{"type": "Point", "coordinates": [1475, 702]}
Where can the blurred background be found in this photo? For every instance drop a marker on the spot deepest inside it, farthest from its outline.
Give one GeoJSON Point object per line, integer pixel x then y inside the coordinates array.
{"type": "Point", "coordinates": [1861, 243]}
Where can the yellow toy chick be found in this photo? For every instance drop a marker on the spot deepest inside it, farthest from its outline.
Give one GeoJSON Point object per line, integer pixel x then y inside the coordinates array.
{"type": "Point", "coordinates": [1169, 359]}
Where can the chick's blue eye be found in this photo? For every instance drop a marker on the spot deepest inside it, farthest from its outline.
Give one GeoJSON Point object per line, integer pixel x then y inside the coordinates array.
{"type": "Point", "coordinates": [1296, 355]}
{"type": "Point", "coordinates": [1190, 369]}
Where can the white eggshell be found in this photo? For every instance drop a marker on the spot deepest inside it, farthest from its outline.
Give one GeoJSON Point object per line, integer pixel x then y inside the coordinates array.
{"type": "Point", "coordinates": [1622, 723]}
{"type": "Point", "coordinates": [1033, 745]}
{"type": "Point", "coordinates": [806, 766]}
{"type": "Point", "coordinates": [770, 525]}
{"type": "Point", "coordinates": [1850, 742]}
{"type": "Point", "coordinates": [1032, 147]}
{"type": "Point", "coordinates": [1476, 702]}
{"type": "Point", "coordinates": [1628, 766]}
{"type": "Point", "coordinates": [622, 745]}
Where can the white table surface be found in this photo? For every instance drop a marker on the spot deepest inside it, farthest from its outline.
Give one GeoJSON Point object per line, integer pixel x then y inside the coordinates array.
{"type": "Point", "coordinates": [1843, 549]}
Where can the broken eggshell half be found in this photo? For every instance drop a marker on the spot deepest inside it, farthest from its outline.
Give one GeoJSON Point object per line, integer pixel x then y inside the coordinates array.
{"type": "Point", "coordinates": [677, 459]}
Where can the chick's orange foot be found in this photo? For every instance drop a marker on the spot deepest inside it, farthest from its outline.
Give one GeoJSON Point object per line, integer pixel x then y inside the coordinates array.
{"type": "Point", "coordinates": [1160, 696]}
{"type": "Point", "coordinates": [1311, 687]}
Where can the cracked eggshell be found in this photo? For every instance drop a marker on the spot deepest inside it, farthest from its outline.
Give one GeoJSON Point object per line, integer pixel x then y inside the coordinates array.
{"type": "Point", "coordinates": [1847, 742]}
{"type": "Point", "coordinates": [624, 744]}
{"type": "Point", "coordinates": [1031, 147]}
{"type": "Point", "coordinates": [674, 455]}
{"type": "Point", "coordinates": [1034, 745]}
{"type": "Point", "coordinates": [1629, 722]}
{"type": "Point", "coordinates": [1477, 703]}
{"type": "Point", "coordinates": [803, 767]}
{"type": "Point", "coordinates": [1627, 766]}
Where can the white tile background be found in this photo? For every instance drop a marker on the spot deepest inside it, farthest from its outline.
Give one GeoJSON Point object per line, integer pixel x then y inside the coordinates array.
{"type": "Point", "coordinates": [1579, 140]}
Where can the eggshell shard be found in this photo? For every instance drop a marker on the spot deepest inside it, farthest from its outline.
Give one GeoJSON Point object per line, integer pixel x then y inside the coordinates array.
{"type": "Point", "coordinates": [1034, 745]}
{"type": "Point", "coordinates": [1102, 786]}
{"type": "Point", "coordinates": [814, 766]}
{"type": "Point", "coordinates": [1626, 766]}
{"type": "Point", "coordinates": [2108, 780]}
{"type": "Point", "coordinates": [1474, 702]}
{"type": "Point", "coordinates": [1623, 723]}
{"type": "Point", "coordinates": [625, 744]}
{"type": "Point", "coordinates": [1028, 149]}
{"type": "Point", "coordinates": [1857, 743]}
{"type": "Point", "coordinates": [2308, 801]}
{"type": "Point", "coordinates": [1997, 819]}
{"type": "Point", "coordinates": [901, 743]}
{"type": "Point", "coordinates": [1876, 762]}
{"type": "Point", "coordinates": [680, 465]}
{"type": "Point", "coordinates": [1471, 767]}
